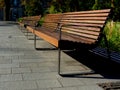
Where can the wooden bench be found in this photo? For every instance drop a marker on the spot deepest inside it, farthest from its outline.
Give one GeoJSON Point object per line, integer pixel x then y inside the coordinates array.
{"type": "Point", "coordinates": [29, 21]}
{"type": "Point", "coordinates": [50, 25]}
{"type": "Point", "coordinates": [74, 30]}
{"type": "Point", "coordinates": [32, 20]}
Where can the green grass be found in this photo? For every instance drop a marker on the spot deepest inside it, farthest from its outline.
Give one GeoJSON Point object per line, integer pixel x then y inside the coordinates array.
{"type": "Point", "coordinates": [112, 31]}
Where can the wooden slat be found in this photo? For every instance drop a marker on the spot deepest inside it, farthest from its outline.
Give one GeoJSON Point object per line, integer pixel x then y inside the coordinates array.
{"type": "Point", "coordinates": [31, 29]}
{"type": "Point", "coordinates": [89, 15]}
{"type": "Point", "coordinates": [44, 36]}
{"type": "Point", "coordinates": [87, 18]}
{"type": "Point", "coordinates": [82, 24]}
{"type": "Point", "coordinates": [95, 29]}
{"type": "Point", "coordinates": [51, 20]}
{"type": "Point", "coordinates": [75, 38]}
{"type": "Point", "coordinates": [81, 34]}
{"type": "Point", "coordinates": [47, 38]}
{"type": "Point", "coordinates": [31, 20]}
{"type": "Point", "coordinates": [84, 21]}
{"type": "Point", "coordinates": [91, 11]}
{"type": "Point", "coordinates": [81, 31]}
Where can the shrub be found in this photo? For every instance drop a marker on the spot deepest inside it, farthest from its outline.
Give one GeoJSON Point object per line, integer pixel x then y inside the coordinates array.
{"type": "Point", "coordinates": [112, 31]}
{"type": "Point", "coordinates": [20, 19]}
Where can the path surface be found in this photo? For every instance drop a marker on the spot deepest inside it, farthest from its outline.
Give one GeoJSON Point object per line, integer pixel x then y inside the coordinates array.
{"type": "Point", "coordinates": [24, 68]}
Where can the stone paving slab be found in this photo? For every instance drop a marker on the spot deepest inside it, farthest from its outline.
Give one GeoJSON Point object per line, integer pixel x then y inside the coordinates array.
{"type": "Point", "coordinates": [24, 68]}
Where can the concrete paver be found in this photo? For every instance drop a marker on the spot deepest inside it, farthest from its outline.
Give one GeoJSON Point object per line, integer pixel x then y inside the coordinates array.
{"type": "Point", "coordinates": [91, 87]}
{"type": "Point", "coordinates": [38, 76]}
{"type": "Point", "coordinates": [11, 77]}
{"type": "Point", "coordinates": [21, 70]}
{"type": "Point", "coordinates": [48, 83]}
{"type": "Point", "coordinates": [66, 82]}
{"type": "Point", "coordinates": [18, 85]}
{"type": "Point", "coordinates": [5, 71]}
{"type": "Point", "coordinates": [24, 68]}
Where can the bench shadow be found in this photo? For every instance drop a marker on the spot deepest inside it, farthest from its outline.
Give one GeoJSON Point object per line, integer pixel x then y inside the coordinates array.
{"type": "Point", "coordinates": [46, 49]}
{"type": "Point", "coordinates": [6, 25]}
{"type": "Point", "coordinates": [100, 65]}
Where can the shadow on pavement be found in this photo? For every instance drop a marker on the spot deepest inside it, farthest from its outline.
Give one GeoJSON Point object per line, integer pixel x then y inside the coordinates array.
{"type": "Point", "coordinates": [107, 68]}
{"type": "Point", "coordinates": [8, 23]}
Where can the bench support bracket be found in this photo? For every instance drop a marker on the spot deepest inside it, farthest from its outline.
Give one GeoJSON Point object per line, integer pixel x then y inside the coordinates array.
{"type": "Point", "coordinates": [72, 74]}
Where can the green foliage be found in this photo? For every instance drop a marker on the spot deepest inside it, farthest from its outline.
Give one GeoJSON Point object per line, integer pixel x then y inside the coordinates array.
{"type": "Point", "coordinates": [69, 5]}
{"type": "Point", "coordinates": [55, 7]}
{"type": "Point", "coordinates": [2, 3]}
{"type": "Point", "coordinates": [20, 19]}
{"type": "Point", "coordinates": [116, 12]}
{"type": "Point", "coordinates": [41, 21]}
{"type": "Point", "coordinates": [112, 31]}
{"type": "Point", "coordinates": [37, 7]}
{"type": "Point", "coordinates": [52, 9]}
{"type": "Point", "coordinates": [33, 7]}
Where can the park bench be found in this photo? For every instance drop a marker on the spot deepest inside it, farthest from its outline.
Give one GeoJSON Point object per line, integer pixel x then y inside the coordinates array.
{"type": "Point", "coordinates": [74, 30]}
{"type": "Point", "coordinates": [29, 21]}
{"type": "Point", "coordinates": [50, 24]}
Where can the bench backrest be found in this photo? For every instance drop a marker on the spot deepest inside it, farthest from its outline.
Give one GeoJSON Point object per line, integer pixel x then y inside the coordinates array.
{"type": "Point", "coordinates": [84, 26]}
{"type": "Point", "coordinates": [51, 21]}
{"type": "Point", "coordinates": [31, 20]}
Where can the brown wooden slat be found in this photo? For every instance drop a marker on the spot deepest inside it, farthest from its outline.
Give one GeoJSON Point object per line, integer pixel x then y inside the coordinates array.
{"type": "Point", "coordinates": [75, 38]}
{"type": "Point", "coordinates": [84, 21]}
{"type": "Point", "coordinates": [91, 11]}
{"type": "Point", "coordinates": [95, 29]}
{"type": "Point", "coordinates": [51, 21]}
{"type": "Point", "coordinates": [82, 24]}
{"type": "Point", "coordinates": [44, 35]}
{"type": "Point", "coordinates": [81, 34]}
{"type": "Point", "coordinates": [31, 20]}
{"type": "Point", "coordinates": [47, 38]}
{"type": "Point", "coordinates": [81, 31]}
{"type": "Point", "coordinates": [53, 26]}
{"type": "Point", "coordinates": [87, 18]}
{"type": "Point", "coordinates": [89, 15]}
{"type": "Point", "coordinates": [31, 29]}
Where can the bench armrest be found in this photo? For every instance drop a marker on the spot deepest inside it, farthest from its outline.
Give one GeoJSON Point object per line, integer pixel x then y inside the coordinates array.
{"type": "Point", "coordinates": [60, 26]}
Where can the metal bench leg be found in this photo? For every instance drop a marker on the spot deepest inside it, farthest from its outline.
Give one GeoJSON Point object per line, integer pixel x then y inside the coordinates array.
{"type": "Point", "coordinates": [27, 34]}
{"type": "Point", "coordinates": [59, 59]}
{"type": "Point", "coordinates": [70, 74]}
{"type": "Point", "coordinates": [34, 41]}
{"type": "Point", "coordinates": [21, 28]}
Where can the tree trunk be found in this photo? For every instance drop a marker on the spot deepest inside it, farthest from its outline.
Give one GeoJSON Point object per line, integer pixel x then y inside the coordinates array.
{"type": "Point", "coordinates": [7, 9]}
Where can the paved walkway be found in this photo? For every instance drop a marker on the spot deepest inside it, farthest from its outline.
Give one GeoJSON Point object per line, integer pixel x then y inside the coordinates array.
{"type": "Point", "coordinates": [24, 68]}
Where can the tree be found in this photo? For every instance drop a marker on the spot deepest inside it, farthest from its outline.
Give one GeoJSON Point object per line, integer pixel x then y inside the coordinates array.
{"type": "Point", "coordinates": [70, 5]}
{"type": "Point", "coordinates": [34, 7]}
{"type": "Point", "coordinates": [7, 9]}
{"type": "Point", "coordinates": [2, 4]}
{"type": "Point", "coordinates": [116, 10]}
